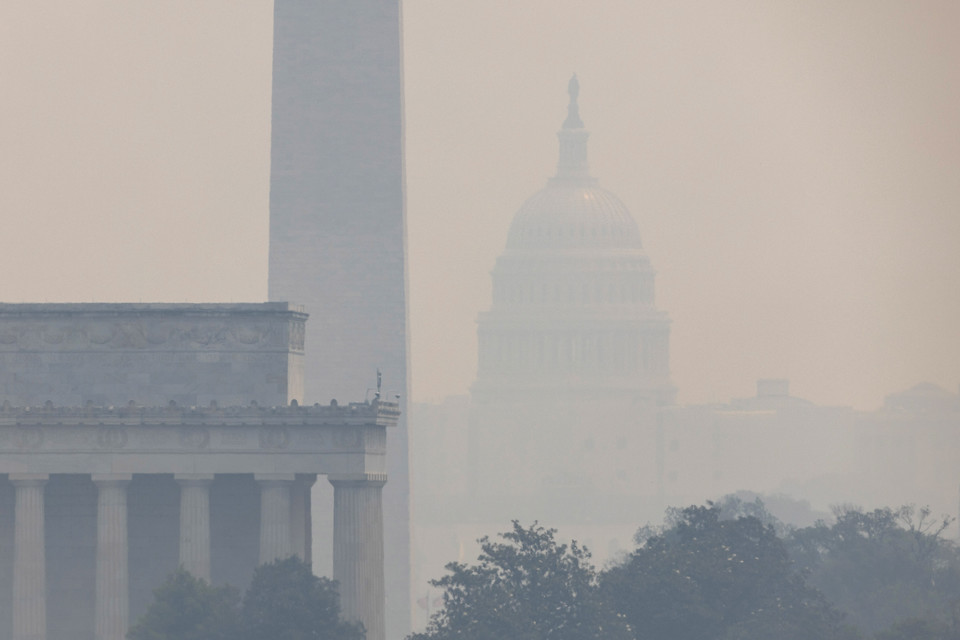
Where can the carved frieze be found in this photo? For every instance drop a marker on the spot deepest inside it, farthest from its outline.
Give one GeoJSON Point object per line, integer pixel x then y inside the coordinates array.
{"type": "Point", "coordinates": [234, 438]}
{"type": "Point", "coordinates": [28, 438]}
{"type": "Point", "coordinates": [348, 438]}
{"type": "Point", "coordinates": [175, 439]}
{"type": "Point", "coordinates": [311, 438]}
{"type": "Point", "coordinates": [194, 438]}
{"type": "Point", "coordinates": [154, 438]}
{"type": "Point", "coordinates": [111, 437]}
{"type": "Point", "coordinates": [137, 334]}
{"type": "Point", "coordinates": [274, 438]}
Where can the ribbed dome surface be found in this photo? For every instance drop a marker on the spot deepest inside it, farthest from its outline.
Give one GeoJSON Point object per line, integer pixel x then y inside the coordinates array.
{"type": "Point", "coordinates": [573, 215]}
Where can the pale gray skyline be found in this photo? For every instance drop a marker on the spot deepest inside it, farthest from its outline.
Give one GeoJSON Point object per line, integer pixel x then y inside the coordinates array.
{"type": "Point", "coordinates": [794, 169]}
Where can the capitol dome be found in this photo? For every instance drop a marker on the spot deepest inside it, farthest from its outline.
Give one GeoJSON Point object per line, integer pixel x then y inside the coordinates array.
{"type": "Point", "coordinates": [572, 212]}
{"type": "Point", "coordinates": [573, 295]}
{"type": "Point", "coordinates": [571, 215]}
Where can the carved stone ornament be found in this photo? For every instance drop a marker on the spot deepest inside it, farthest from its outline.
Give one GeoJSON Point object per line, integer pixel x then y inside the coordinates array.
{"type": "Point", "coordinates": [348, 439]}
{"type": "Point", "coordinates": [194, 438]}
{"type": "Point", "coordinates": [112, 437]}
{"type": "Point", "coordinates": [28, 438]}
{"type": "Point", "coordinates": [297, 334]}
{"type": "Point", "coordinates": [274, 438]}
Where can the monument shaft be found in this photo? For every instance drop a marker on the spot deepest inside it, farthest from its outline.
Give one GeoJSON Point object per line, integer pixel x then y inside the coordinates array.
{"type": "Point", "coordinates": [337, 223]}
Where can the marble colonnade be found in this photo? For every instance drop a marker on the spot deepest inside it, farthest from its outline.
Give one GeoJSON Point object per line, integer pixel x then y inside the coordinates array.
{"type": "Point", "coordinates": [284, 448]}
{"type": "Point", "coordinates": [358, 543]}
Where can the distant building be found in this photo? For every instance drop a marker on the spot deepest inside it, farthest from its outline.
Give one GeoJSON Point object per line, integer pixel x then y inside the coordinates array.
{"type": "Point", "coordinates": [573, 338]}
{"type": "Point", "coordinates": [564, 421]}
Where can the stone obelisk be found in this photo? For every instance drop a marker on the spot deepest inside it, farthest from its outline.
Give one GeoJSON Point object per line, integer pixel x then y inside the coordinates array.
{"type": "Point", "coordinates": [337, 227]}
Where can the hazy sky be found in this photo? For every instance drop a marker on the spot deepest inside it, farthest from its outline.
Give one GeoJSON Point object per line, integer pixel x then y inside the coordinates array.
{"type": "Point", "coordinates": [794, 168]}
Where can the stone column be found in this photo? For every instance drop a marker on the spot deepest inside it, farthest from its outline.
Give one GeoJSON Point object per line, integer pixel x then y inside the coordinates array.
{"type": "Point", "coordinates": [195, 523]}
{"type": "Point", "coordinates": [358, 548]}
{"type": "Point", "coordinates": [111, 617]}
{"type": "Point", "coordinates": [275, 537]}
{"type": "Point", "coordinates": [300, 528]}
{"type": "Point", "coordinates": [29, 563]}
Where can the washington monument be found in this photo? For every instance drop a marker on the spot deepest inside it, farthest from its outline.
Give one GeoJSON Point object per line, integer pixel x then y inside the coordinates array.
{"type": "Point", "coordinates": [337, 221]}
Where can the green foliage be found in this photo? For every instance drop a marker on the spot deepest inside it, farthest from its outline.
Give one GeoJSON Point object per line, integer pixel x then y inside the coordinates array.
{"type": "Point", "coordinates": [730, 571]}
{"type": "Point", "coordinates": [527, 587]}
{"type": "Point", "coordinates": [882, 566]}
{"type": "Point", "coordinates": [186, 608]}
{"type": "Point", "coordinates": [286, 601]}
{"type": "Point", "coordinates": [704, 578]}
{"type": "Point", "coordinates": [917, 629]}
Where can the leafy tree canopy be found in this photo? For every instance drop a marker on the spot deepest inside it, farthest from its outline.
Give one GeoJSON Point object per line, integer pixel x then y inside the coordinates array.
{"type": "Point", "coordinates": [527, 587]}
{"type": "Point", "coordinates": [706, 578]}
{"type": "Point", "coordinates": [883, 566]}
{"type": "Point", "coordinates": [917, 629]}
{"type": "Point", "coordinates": [286, 601]}
{"type": "Point", "coordinates": [186, 608]}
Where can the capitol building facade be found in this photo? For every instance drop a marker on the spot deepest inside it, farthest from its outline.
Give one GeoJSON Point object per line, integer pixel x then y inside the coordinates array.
{"type": "Point", "coordinates": [573, 421]}
{"type": "Point", "coordinates": [573, 353]}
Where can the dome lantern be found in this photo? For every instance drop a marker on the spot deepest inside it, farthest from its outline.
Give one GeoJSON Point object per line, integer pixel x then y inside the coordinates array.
{"type": "Point", "coordinates": [572, 166]}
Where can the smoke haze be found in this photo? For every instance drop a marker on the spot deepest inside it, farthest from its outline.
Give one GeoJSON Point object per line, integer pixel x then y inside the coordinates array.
{"type": "Point", "coordinates": [794, 169]}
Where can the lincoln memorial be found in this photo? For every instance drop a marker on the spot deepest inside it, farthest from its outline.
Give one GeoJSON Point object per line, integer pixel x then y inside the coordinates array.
{"type": "Point", "coordinates": [138, 437]}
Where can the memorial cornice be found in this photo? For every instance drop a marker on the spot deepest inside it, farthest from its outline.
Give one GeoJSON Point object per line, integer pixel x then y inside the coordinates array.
{"type": "Point", "coordinates": [377, 413]}
{"type": "Point", "coordinates": [347, 439]}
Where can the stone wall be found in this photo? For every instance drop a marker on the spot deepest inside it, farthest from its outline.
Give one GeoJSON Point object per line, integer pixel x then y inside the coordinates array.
{"type": "Point", "coordinates": [152, 354]}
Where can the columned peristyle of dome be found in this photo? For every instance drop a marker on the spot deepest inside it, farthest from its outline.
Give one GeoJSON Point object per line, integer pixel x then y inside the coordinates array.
{"type": "Point", "coordinates": [573, 293]}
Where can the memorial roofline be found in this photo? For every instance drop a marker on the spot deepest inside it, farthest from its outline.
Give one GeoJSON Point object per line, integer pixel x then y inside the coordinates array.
{"type": "Point", "coordinates": [107, 308]}
{"type": "Point", "coordinates": [377, 412]}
